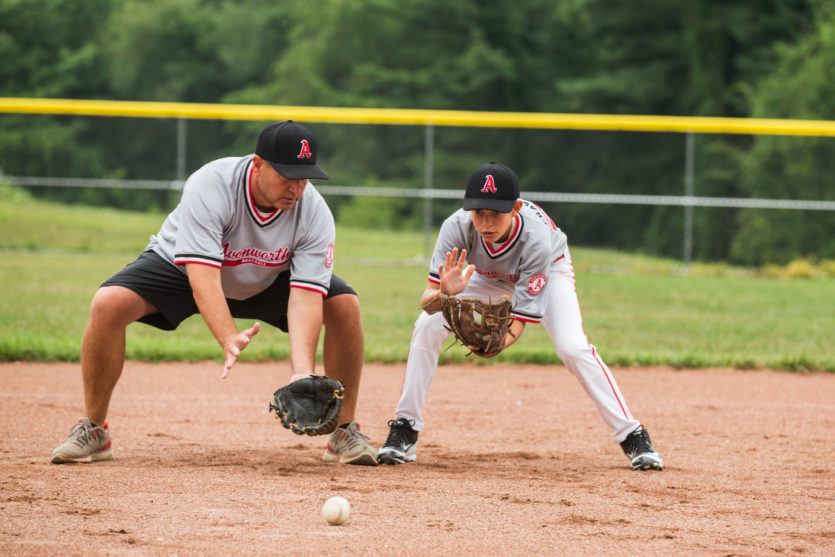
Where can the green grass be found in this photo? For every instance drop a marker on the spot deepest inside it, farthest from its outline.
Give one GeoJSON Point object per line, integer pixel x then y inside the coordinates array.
{"type": "Point", "coordinates": [637, 310]}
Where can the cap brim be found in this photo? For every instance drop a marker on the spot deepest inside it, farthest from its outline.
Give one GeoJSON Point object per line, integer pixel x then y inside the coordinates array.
{"type": "Point", "coordinates": [498, 205]}
{"type": "Point", "coordinates": [299, 171]}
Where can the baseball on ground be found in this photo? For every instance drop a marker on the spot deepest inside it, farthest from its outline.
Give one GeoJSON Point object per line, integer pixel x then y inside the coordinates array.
{"type": "Point", "coordinates": [336, 510]}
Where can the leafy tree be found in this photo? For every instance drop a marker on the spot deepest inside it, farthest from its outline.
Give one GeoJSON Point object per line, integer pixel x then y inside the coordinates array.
{"type": "Point", "coordinates": [51, 51]}
{"type": "Point", "coordinates": [674, 57]}
{"type": "Point", "coordinates": [801, 86]}
{"type": "Point", "coordinates": [768, 58]}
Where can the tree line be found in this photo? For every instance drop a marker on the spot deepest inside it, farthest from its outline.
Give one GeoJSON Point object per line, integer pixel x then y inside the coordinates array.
{"type": "Point", "coordinates": [748, 58]}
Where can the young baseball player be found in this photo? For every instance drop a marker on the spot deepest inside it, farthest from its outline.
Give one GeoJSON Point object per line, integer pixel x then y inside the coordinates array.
{"type": "Point", "coordinates": [251, 238]}
{"type": "Point", "coordinates": [500, 245]}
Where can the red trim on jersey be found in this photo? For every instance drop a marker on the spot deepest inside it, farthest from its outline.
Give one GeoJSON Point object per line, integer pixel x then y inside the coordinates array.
{"type": "Point", "coordinates": [509, 241]}
{"type": "Point", "coordinates": [251, 199]}
{"type": "Point", "coordinates": [544, 214]}
{"type": "Point", "coordinates": [433, 280]}
{"type": "Point", "coordinates": [322, 292]}
{"type": "Point", "coordinates": [199, 262]}
{"type": "Point", "coordinates": [558, 258]}
{"type": "Point", "coordinates": [525, 319]}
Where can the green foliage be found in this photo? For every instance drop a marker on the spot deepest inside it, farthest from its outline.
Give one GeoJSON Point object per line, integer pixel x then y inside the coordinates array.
{"type": "Point", "coordinates": [769, 58]}
{"type": "Point", "coordinates": [828, 267]}
{"type": "Point", "coordinates": [50, 50]}
{"type": "Point", "coordinates": [162, 50]}
{"type": "Point", "coordinates": [375, 213]}
{"type": "Point", "coordinates": [800, 87]}
{"type": "Point", "coordinates": [800, 268]}
{"type": "Point", "coordinates": [13, 196]}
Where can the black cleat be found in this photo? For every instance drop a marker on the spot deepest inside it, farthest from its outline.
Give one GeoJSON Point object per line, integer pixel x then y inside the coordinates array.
{"type": "Point", "coordinates": [401, 444]}
{"type": "Point", "coordinates": [638, 448]}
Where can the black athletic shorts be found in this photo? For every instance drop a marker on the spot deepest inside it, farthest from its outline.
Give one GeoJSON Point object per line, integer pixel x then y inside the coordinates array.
{"type": "Point", "coordinates": [167, 288]}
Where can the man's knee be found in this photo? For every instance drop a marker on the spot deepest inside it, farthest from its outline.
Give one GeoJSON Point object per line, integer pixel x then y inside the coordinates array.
{"type": "Point", "coordinates": [342, 309]}
{"type": "Point", "coordinates": [117, 306]}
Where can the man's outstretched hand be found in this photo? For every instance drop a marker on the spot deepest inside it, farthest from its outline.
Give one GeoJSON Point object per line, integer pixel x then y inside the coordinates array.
{"type": "Point", "coordinates": [235, 344]}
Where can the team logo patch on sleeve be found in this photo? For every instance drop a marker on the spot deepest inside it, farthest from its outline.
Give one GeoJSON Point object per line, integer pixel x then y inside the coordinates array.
{"type": "Point", "coordinates": [329, 257]}
{"type": "Point", "coordinates": [536, 284]}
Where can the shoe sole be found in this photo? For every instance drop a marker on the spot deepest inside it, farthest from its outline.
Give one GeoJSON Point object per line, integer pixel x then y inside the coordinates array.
{"type": "Point", "coordinates": [389, 458]}
{"type": "Point", "coordinates": [649, 466]}
{"type": "Point", "coordinates": [642, 463]}
{"type": "Point", "coordinates": [61, 458]}
{"type": "Point", "coordinates": [362, 459]}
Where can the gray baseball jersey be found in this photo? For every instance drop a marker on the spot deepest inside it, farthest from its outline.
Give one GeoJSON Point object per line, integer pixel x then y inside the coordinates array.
{"type": "Point", "coordinates": [533, 266]}
{"type": "Point", "coordinates": [523, 261]}
{"type": "Point", "coordinates": [216, 223]}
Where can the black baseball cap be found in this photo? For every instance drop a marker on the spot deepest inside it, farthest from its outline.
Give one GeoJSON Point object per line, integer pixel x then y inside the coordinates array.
{"type": "Point", "coordinates": [492, 186]}
{"type": "Point", "coordinates": [291, 149]}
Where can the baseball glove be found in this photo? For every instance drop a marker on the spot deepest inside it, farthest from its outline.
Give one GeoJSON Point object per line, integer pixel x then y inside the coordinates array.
{"type": "Point", "coordinates": [488, 333]}
{"type": "Point", "coordinates": [309, 406]}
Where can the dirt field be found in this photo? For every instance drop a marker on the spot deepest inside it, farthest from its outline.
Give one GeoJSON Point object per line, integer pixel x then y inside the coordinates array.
{"type": "Point", "coordinates": [513, 461]}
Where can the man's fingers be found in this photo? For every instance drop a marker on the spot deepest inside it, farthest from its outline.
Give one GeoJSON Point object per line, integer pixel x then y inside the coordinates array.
{"type": "Point", "coordinates": [239, 343]}
{"type": "Point", "coordinates": [252, 331]}
{"type": "Point", "coordinates": [231, 358]}
{"type": "Point", "coordinates": [463, 259]}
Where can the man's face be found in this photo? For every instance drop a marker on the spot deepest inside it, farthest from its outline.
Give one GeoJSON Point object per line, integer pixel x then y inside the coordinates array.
{"type": "Point", "coordinates": [271, 190]}
{"type": "Point", "coordinates": [493, 226]}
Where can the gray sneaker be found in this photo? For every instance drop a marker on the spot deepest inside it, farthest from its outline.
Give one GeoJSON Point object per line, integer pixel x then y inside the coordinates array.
{"type": "Point", "coordinates": [85, 443]}
{"type": "Point", "coordinates": [349, 445]}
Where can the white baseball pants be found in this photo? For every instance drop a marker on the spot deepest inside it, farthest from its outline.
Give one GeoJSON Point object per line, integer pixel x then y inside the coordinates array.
{"type": "Point", "coordinates": [564, 324]}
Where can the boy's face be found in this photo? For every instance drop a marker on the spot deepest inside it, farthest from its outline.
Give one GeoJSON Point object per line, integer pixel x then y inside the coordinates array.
{"type": "Point", "coordinates": [493, 226]}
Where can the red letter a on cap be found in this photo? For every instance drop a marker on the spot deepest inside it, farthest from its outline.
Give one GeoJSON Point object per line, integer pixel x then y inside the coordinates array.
{"type": "Point", "coordinates": [489, 185]}
{"type": "Point", "coordinates": [305, 151]}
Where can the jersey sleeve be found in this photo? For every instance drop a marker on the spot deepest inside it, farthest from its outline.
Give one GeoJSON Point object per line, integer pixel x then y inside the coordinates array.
{"type": "Point", "coordinates": [205, 206]}
{"type": "Point", "coordinates": [311, 265]}
{"type": "Point", "coordinates": [453, 234]}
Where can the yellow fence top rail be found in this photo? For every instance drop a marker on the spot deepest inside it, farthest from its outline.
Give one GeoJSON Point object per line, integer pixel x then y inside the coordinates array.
{"type": "Point", "coordinates": [411, 117]}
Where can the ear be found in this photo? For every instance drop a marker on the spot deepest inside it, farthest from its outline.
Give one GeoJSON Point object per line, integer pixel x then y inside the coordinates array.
{"type": "Point", "coordinates": [516, 208]}
{"type": "Point", "coordinates": [258, 165]}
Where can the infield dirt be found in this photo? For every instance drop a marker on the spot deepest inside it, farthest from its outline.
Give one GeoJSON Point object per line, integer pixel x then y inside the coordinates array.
{"type": "Point", "coordinates": [513, 461]}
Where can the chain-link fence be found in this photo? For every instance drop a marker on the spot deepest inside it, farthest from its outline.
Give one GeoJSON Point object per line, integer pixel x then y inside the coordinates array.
{"type": "Point", "coordinates": [658, 184]}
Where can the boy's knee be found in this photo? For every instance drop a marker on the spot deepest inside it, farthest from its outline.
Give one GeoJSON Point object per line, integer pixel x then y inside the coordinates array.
{"type": "Point", "coordinates": [430, 321]}
{"type": "Point", "coordinates": [430, 329]}
{"type": "Point", "coordinates": [573, 351]}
